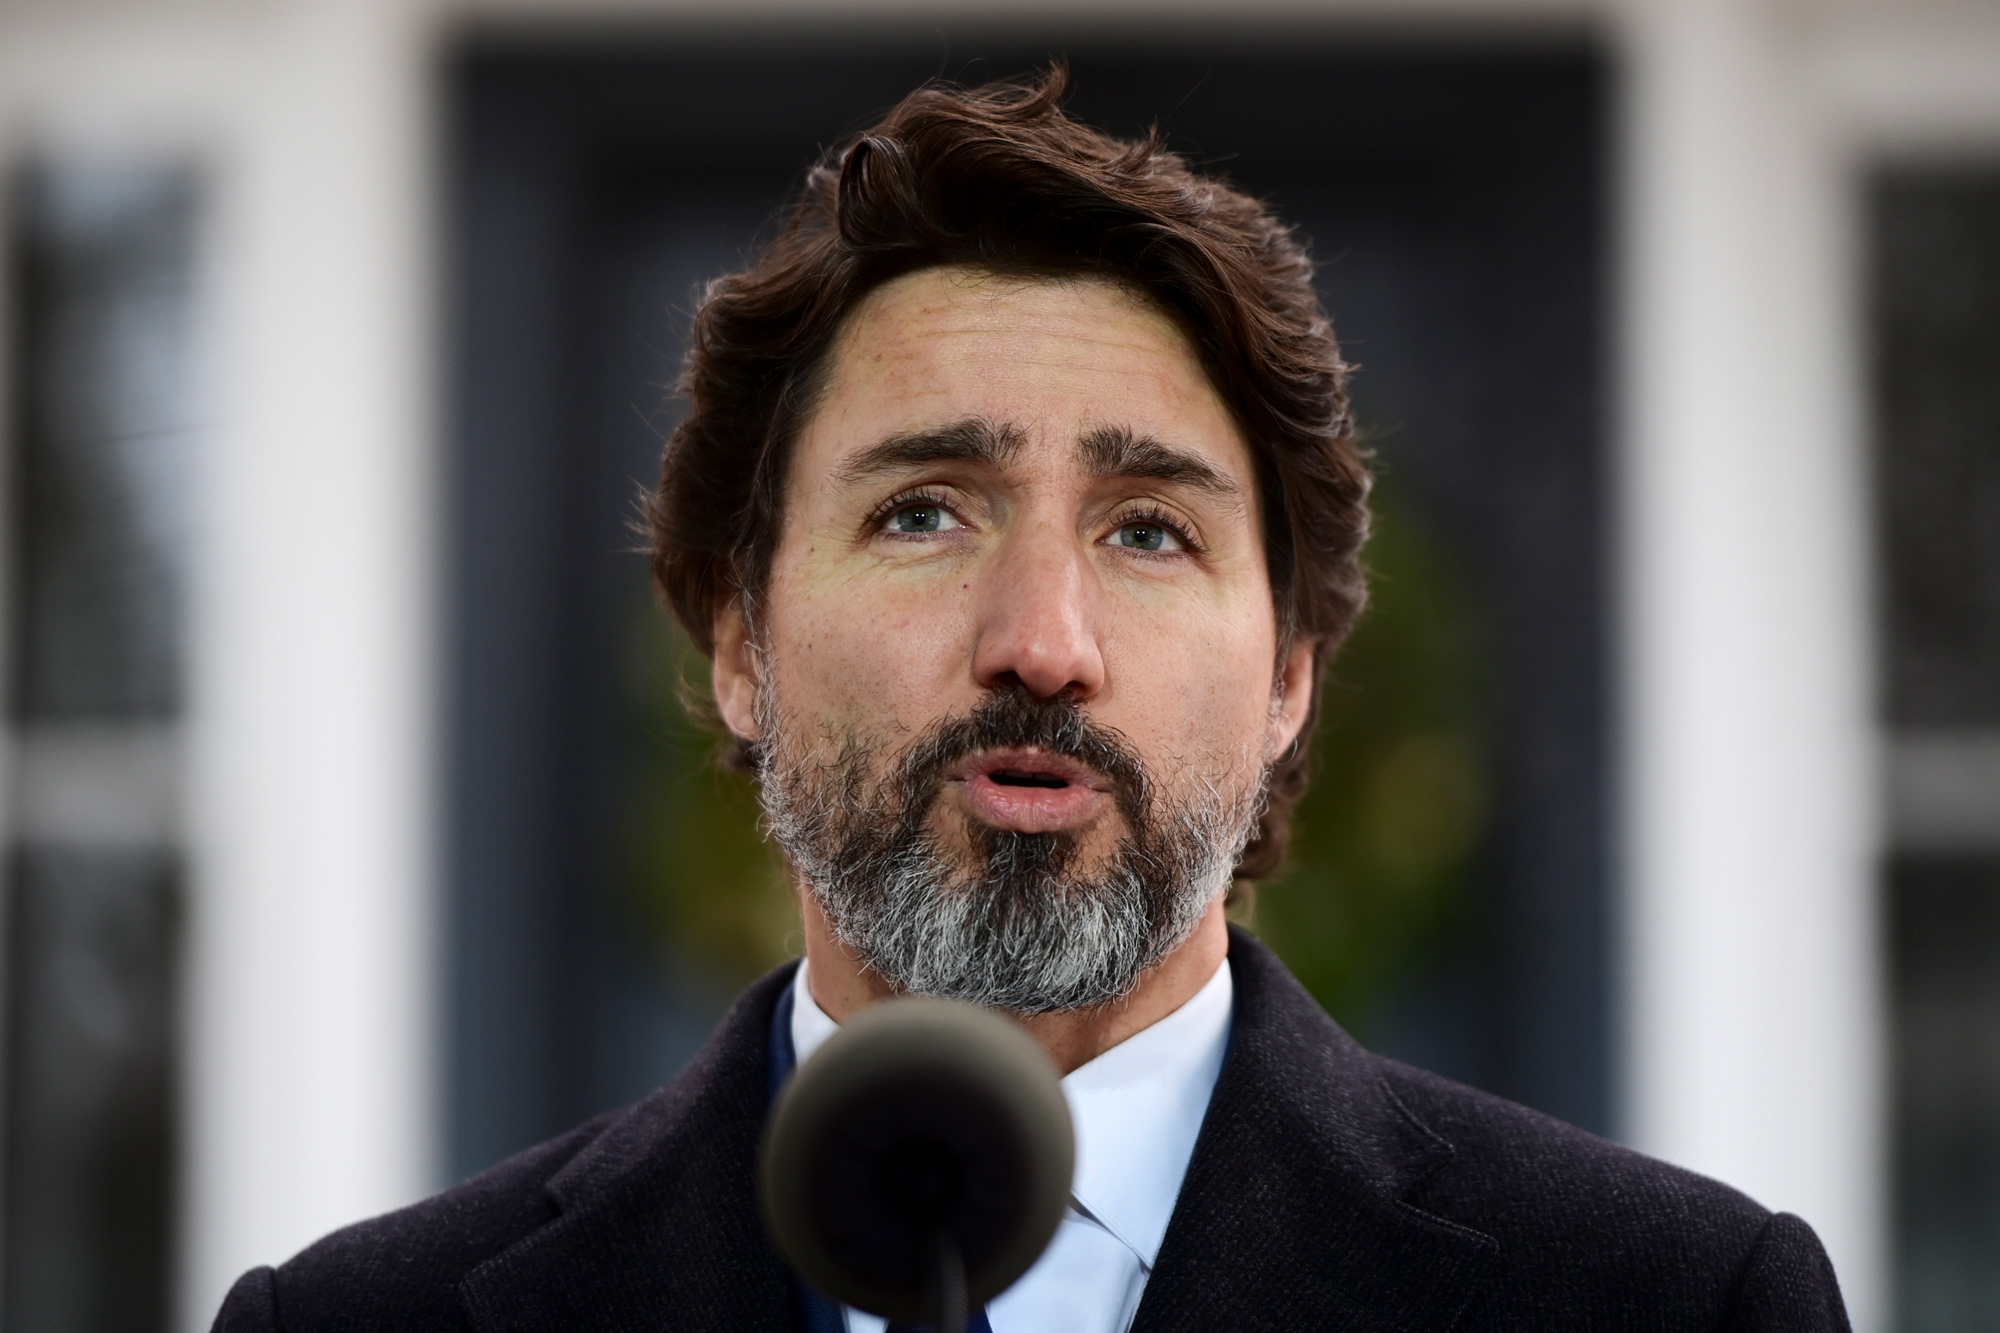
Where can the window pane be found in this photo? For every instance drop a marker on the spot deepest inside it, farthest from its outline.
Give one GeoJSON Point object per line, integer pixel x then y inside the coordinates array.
{"type": "Point", "coordinates": [105, 409]}
{"type": "Point", "coordinates": [90, 1124]}
{"type": "Point", "coordinates": [1937, 402]}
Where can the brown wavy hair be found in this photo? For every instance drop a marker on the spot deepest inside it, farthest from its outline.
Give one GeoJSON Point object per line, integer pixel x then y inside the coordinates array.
{"type": "Point", "coordinates": [999, 179]}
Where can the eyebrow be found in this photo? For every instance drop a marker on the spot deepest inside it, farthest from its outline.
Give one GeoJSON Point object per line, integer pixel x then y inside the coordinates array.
{"type": "Point", "coordinates": [1114, 451]}
{"type": "Point", "coordinates": [973, 440]}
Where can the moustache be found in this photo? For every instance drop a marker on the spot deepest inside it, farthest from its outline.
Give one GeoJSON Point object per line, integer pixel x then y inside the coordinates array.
{"type": "Point", "coordinates": [1013, 718]}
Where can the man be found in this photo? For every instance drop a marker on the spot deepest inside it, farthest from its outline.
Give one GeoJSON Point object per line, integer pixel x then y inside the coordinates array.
{"type": "Point", "coordinates": [1018, 510]}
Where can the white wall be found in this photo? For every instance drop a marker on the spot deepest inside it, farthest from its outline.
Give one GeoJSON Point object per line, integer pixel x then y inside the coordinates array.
{"type": "Point", "coordinates": [1752, 1000]}
{"type": "Point", "coordinates": [310, 1068]}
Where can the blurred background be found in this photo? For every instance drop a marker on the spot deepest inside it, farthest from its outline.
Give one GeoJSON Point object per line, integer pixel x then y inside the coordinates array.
{"type": "Point", "coordinates": [356, 835]}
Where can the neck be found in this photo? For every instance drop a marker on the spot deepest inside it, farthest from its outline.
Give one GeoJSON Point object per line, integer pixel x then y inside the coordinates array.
{"type": "Point", "coordinates": [842, 985]}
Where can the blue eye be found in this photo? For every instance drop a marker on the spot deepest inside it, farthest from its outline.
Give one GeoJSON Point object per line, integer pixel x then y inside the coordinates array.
{"type": "Point", "coordinates": [1146, 535]}
{"type": "Point", "coordinates": [922, 517]}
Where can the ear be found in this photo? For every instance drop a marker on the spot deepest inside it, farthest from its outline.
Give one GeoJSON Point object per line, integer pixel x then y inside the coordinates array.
{"type": "Point", "coordinates": [1295, 690]}
{"type": "Point", "coordinates": [733, 672]}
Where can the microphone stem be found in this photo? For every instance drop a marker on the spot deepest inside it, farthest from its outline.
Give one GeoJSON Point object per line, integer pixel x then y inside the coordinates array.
{"type": "Point", "coordinates": [949, 1283]}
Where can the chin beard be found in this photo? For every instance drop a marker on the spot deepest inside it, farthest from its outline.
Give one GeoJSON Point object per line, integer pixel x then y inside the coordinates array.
{"type": "Point", "coordinates": [1013, 921]}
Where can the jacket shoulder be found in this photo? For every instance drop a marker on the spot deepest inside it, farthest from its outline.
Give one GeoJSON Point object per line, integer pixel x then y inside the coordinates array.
{"type": "Point", "coordinates": [1573, 1212]}
{"type": "Point", "coordinates": [1523, 1167]}
{"type": "Point", "coordinates": [402, 1270]}
{"type": "Point", "coordinates": [406, 1270]}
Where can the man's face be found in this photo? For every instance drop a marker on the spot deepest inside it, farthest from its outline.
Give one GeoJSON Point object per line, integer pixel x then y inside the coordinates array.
{"type": "Point", "coordinates": [1018, 645]}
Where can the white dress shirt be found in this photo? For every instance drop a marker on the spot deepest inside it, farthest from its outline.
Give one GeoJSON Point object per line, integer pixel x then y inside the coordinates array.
{"type": "Point", "coordinates": [1137, 1109]}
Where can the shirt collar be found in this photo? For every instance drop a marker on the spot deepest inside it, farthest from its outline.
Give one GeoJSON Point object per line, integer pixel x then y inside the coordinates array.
{"type": "Point", "coordinates": [810, 1025]}
{"type": "Point", "coordinates": [1137, 1109]}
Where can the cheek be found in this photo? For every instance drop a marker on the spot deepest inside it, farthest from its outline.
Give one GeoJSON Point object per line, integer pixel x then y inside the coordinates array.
{"type": "Point", "coordinates": [872, 661]}
{"type": "Point", "coordinates": [1200, 691]}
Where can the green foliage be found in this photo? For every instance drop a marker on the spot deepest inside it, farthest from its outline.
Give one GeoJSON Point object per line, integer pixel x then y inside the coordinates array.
{"type": "Point", "coordinates": [699, 871]}
{"type": "Point", "coordinates": [1386, 840]}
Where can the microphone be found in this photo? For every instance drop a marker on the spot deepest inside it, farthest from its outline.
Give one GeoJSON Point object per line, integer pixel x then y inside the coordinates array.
{"type": "Point", "coordinates": [919, 1162]}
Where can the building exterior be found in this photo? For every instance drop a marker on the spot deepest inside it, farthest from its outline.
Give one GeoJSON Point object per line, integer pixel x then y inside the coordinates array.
{"type": "Point", "coordinates": [300, 772]}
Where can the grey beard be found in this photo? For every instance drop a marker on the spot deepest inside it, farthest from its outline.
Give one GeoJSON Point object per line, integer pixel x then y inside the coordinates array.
{"type": "Point", "coordinates": [1021, 929]}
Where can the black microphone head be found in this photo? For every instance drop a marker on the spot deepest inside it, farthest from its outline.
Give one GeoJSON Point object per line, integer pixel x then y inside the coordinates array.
{"type": "Point", "coordinates": [920, 1118]}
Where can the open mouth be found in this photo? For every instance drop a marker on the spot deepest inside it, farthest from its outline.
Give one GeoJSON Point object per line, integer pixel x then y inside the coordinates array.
{"type": "Point", "coordinates": [1014, 777]}
{"type": "Point", "coordinates": [1031, 791]}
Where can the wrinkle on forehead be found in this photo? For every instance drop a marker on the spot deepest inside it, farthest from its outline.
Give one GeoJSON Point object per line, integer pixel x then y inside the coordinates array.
{"type": "Point", "coordinates": [954, 365]}
{"type": "Point", "coordinates": [937, 307]}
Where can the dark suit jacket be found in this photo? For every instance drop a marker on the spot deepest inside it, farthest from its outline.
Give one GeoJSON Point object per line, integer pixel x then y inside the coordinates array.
{"type": "Point", "coordinates": [1329, 1189]}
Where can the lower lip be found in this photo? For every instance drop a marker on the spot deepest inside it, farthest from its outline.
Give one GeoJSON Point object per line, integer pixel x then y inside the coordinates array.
{"type": "Point", "coordinates": [1030, 809]}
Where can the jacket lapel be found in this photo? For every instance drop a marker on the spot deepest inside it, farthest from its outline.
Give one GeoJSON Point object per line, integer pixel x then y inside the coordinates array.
{"type": "Point", "coordinates": [1292, 1215]}
{"type": "Point", "coordinates": [658, 1225]}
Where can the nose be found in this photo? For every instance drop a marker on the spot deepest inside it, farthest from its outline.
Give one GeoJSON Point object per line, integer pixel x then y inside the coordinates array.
{"type": "Point", "coordinates": [1038, 619]}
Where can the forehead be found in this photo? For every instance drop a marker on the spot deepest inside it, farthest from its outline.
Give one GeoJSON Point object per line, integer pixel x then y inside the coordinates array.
{"type": "Point", "coordinates": [1056, 357]}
